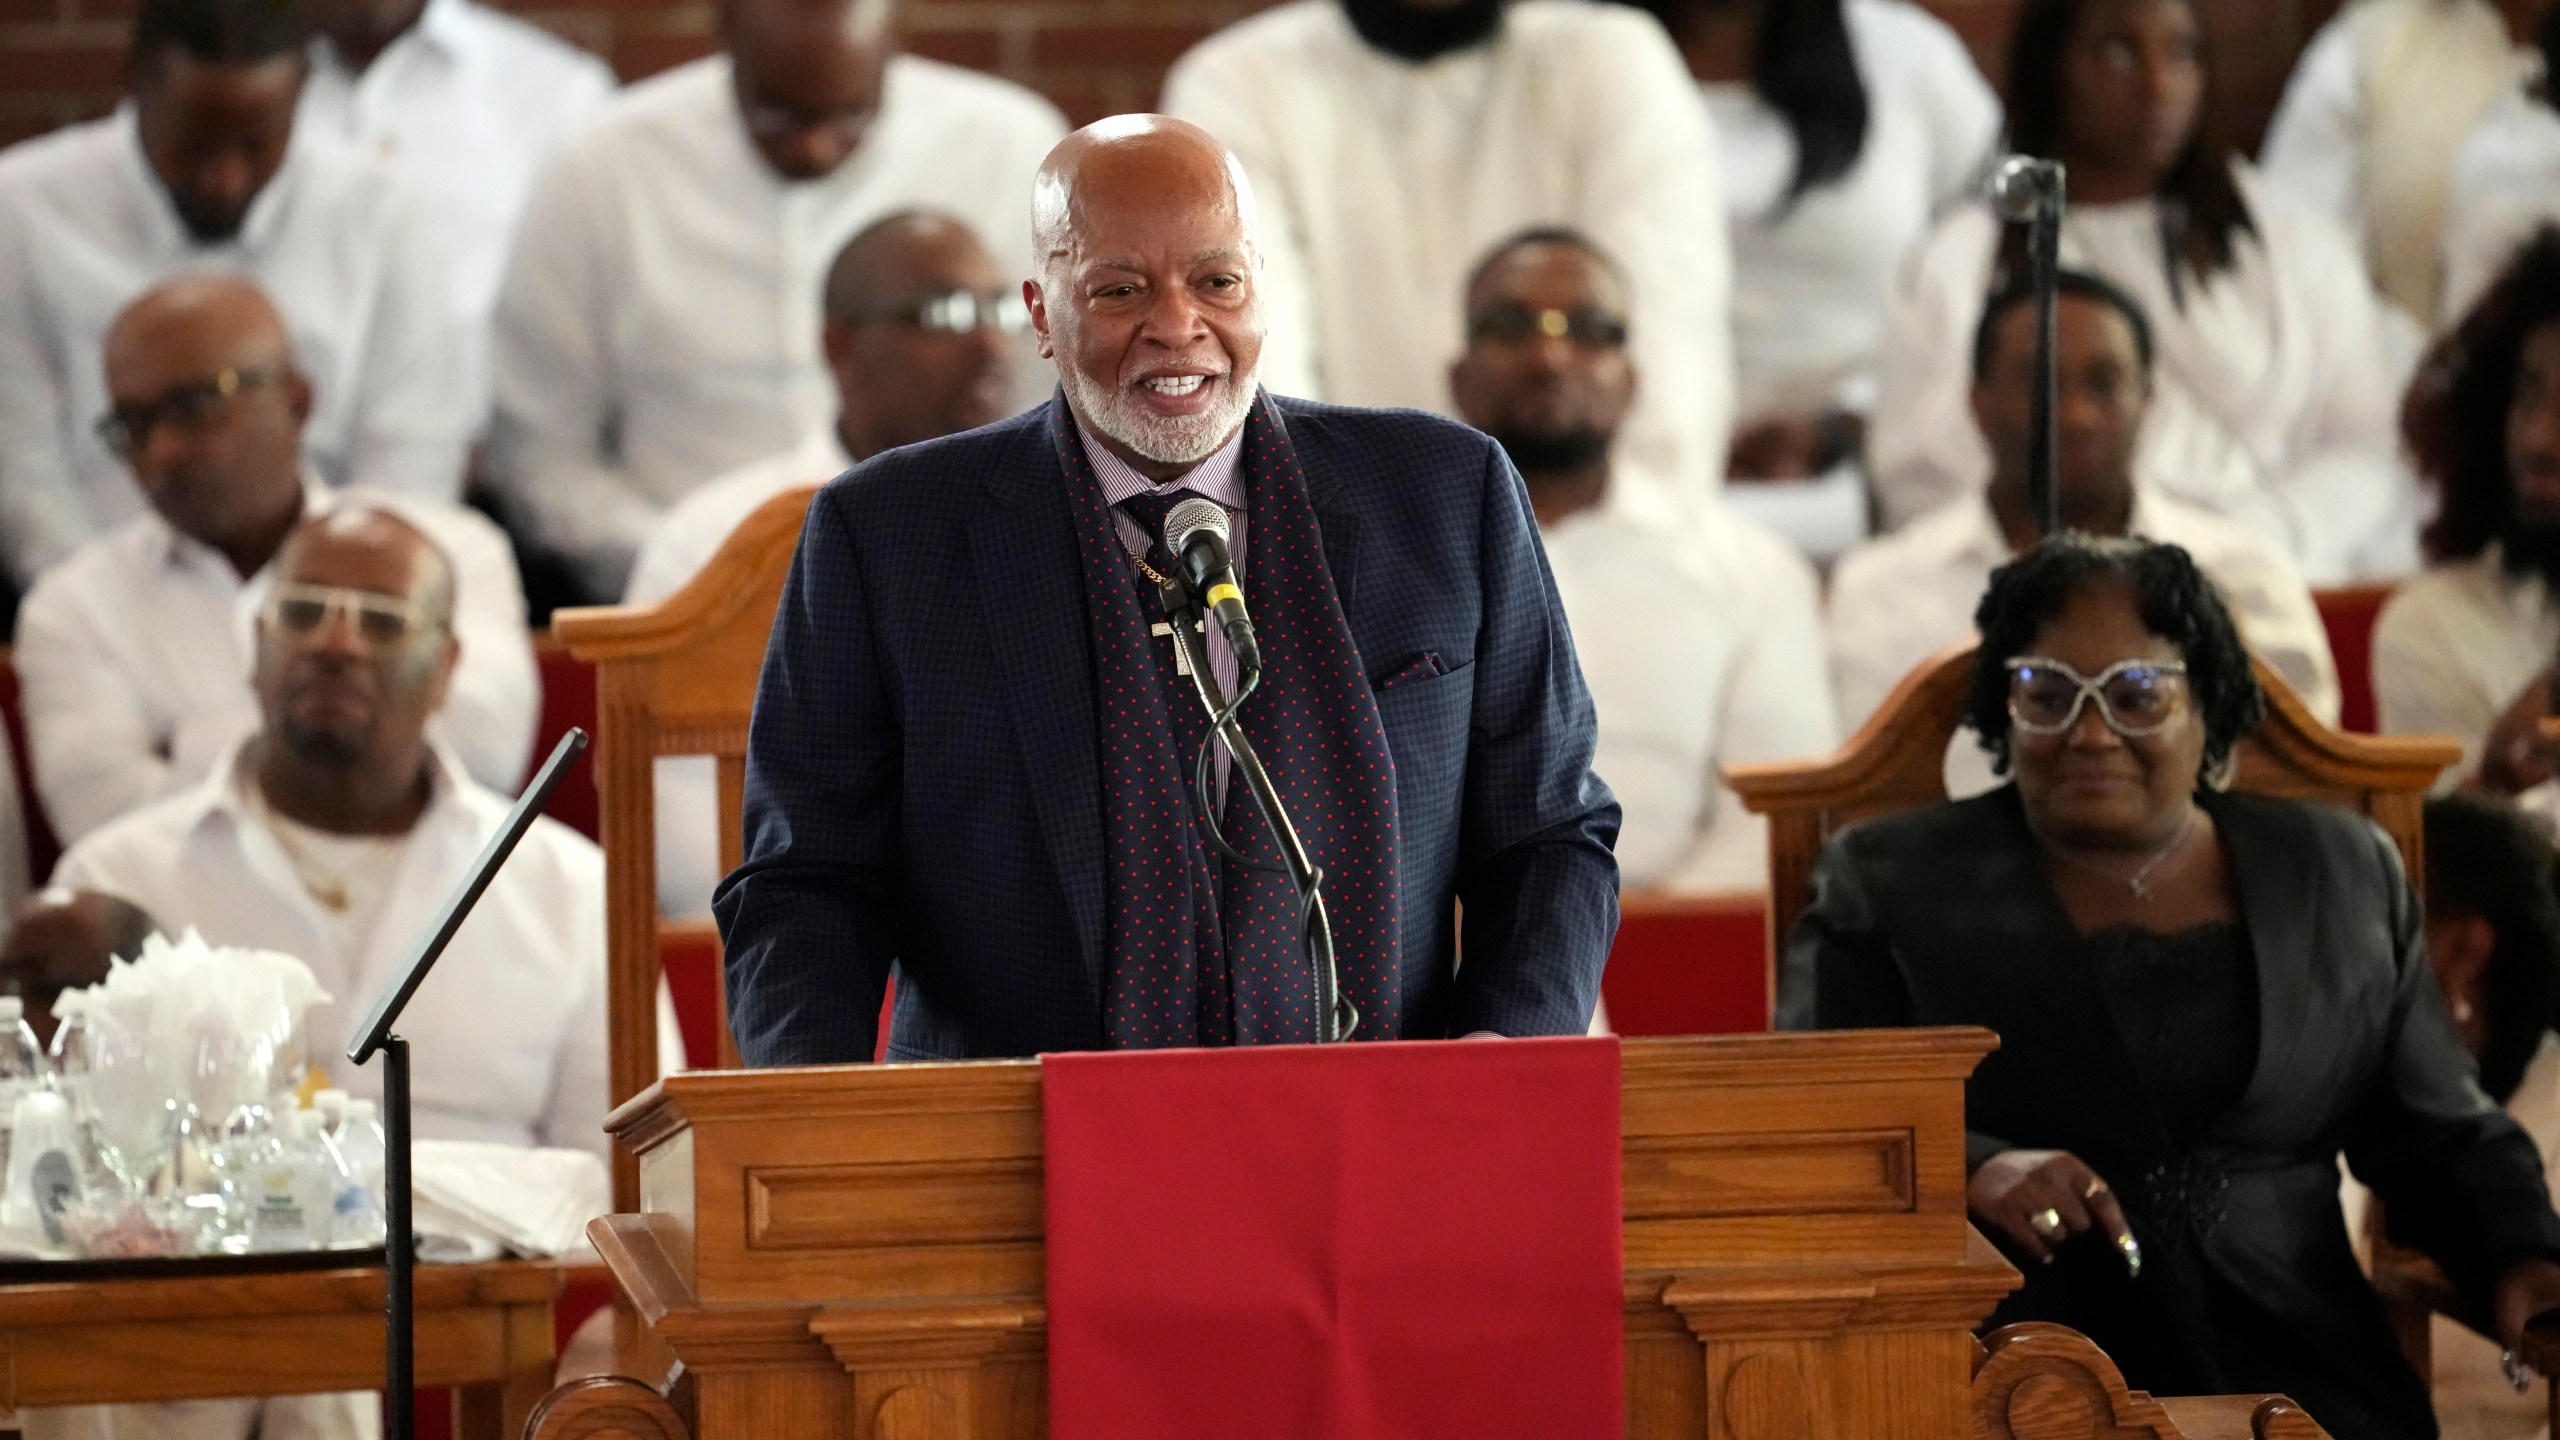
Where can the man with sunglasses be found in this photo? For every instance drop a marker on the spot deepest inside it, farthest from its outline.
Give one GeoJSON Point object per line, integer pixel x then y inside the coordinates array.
{"type": "Point", "coordinates": [659, 322]}
{"type": "Point", "coordinates": [133, 652]}
{"type": "Point", "coordinates": [1699, 631]}
{"type": "Point", "coordinates": [331, 833]}
{"type": "Point", "coordinates": [918, 340]}
{"type": "Point", "coordinates": [1901, 598]}
{"type": "Point", "coordinates": [204, 168]}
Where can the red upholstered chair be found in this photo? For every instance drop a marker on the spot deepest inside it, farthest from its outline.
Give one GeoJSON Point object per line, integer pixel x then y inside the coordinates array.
{"type": "Point", "coordinates": [568, 698]}
{"type": "Point", "coordinates": [1689, 965]}
{"type": "Point", "coordinates": [2348, 615]}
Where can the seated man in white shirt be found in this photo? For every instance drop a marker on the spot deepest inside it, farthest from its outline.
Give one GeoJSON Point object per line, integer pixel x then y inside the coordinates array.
{"type": "Point", "coordinates": [2505, 183]}
{"type": "Point", "coordinates": [462, 99]}
{"type": "Point", "coordinates": [204, 168]}
{"type": "Point", "coordinates": [2466, 649]}
{"type": "Point", "coordinates": [659, 321]}
{"type": "Point", "coordinates": [333, 834]}
{"type": "Point", "coordinates": [916, 338]}
{"type": "Point", "coordinates": [1698, 630]}
{"type": "Point", "coordinates": [1898, 600]}
{"type": "Point", "coordinates": [134, 652]}
{"type": "Point", "coordinates": [1392, 142]}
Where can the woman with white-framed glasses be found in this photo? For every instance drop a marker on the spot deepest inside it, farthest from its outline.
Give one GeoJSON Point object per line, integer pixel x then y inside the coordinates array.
{"type": "Point", "coordinates": [2202, 998]}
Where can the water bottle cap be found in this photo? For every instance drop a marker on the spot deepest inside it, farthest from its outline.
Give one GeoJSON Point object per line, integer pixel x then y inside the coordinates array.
{"type": "Point", "coordinates": [13, 1008]}
{"type": "Point", "coordinates": [361, 1109]}
{"type": "Point", "coordinates": [329, 1102]}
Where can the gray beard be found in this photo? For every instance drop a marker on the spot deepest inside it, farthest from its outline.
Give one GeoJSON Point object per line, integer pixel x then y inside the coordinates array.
{"type": "Point", "coordinates": [1185, 440]}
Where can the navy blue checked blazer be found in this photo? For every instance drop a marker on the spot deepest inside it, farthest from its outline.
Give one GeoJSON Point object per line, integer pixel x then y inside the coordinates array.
{"type": "Point", "coordinates": [924, 784]}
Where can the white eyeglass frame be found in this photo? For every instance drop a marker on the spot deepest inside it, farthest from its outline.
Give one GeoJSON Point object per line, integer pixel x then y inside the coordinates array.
{"type": "Point", "coordinates": [2091, 687]}
{"type": "Point", "coordinates": [344, 603]}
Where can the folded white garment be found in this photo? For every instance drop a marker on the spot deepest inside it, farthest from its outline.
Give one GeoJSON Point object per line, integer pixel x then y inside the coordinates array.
{"type": "Point", "coordinates": [473, 1200]}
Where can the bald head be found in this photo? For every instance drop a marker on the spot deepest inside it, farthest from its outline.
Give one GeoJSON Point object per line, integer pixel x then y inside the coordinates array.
{"type": "Point", "coordinates": [1147, 296]}
{"type": "Point", "coordinates": [208, 412]}
{"type": "Point", "coordinates": [355, 543]}
{"type": "Point", "coordinates": [61, 939]}
{"type": "Point", "coordinates": [922, 333]}
{"type": "Point", "coordinates": [808, 75]}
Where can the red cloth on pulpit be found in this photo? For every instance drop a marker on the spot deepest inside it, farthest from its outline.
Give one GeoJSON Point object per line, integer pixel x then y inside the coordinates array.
{"type": "Point", "coordinates": [1336, 1243]}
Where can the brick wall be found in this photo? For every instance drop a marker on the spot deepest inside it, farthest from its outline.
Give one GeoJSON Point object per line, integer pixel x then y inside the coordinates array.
{"type": "Point", "coordinates": [59, 58]}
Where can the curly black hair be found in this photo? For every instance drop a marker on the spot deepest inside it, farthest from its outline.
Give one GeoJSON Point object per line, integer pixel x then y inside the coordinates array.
{"type": "Point", "coordinates": [2455, 416]}
{"type": "Point", "coordinates": [2486, 858]}
{"type": "Point", "coordinates": [2176, 602]}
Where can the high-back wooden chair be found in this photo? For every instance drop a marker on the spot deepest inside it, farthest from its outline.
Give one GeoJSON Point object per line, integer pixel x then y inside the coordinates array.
{"type": "Point", "coordinates": [674, 678]}
{"type": "Point", "coordinates": [1898, 760]}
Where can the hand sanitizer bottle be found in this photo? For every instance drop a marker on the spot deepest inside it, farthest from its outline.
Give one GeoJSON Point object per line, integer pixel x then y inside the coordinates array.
{"type": "Point", "coordinates": [293, 1187]}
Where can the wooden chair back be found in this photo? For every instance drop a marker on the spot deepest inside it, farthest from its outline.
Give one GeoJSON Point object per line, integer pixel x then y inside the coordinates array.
{"type": "Point", "coordinates": [1898, 760]}
{"type": "Point", "coordinates": [674, 678]}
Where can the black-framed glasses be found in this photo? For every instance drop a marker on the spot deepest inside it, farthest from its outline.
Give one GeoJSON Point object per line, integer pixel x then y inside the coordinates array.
{"type": "Point", "coordinates": [2135, 697]}
{"type": "Point", "coordinates": [127, 428]}
{"type": "Point", "coordinates": [960, 312]}
{"type": "Point", "coordinates": [1513, 324]}
{"type": "Point", "coordinates": [382, 622]}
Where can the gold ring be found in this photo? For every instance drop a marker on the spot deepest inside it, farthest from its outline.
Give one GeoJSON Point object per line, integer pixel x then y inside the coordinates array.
{"type": "Point", "coordinates": [2047, 1221]}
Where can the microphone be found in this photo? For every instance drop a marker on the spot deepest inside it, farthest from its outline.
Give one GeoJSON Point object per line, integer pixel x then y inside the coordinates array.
{"type": "Point", "coordinates": [1195, 535]}
{"type": "Point", "coordinates": [2022, 185]}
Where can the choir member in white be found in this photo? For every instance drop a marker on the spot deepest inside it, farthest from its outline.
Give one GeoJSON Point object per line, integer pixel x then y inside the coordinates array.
{"type": "Point", "coordinates": [2277, 375]}
{"type": "Point", "coordinates": [2506, 180]}
{"type": "Point", "coordinates": [1390, 142]}
{"type": "Point", "coordinates": [916, 335]}
{"type": "Point", "coordinates": [1901, 598]}
{"type": "Point", "coordinates": [1845, 128]}
{"type": "Point", "coordinates": [462, 99]}
{"type": "Point", "coordinates": [2376, 110]}
{"type": "Point", "coordinates": [134, 651]}
{"type": "Point", "coordinates": [331, 835]}
{"type": "Point", "coordinates": [1698, 631]}
{"type": "Point", "coordinates": [658, 326]}
{"type": "Point", "coordinates": [2466, 649]}
{"type": "Point", "coordinates": [204, 167]}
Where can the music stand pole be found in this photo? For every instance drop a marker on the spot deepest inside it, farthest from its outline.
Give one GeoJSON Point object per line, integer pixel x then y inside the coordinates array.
{"type": "Point", "coordinates": [399, 1238]}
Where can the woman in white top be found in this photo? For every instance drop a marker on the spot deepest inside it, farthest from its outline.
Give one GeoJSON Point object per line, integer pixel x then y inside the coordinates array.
{"type": "Point", "coordinates": [1845, 127]}
{"type": "Point", "coordinates": [2278, 375]}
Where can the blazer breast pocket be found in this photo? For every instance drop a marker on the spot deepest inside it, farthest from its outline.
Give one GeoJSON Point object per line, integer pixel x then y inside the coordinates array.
{"type": "Point", "coordinates": [1426, 717]}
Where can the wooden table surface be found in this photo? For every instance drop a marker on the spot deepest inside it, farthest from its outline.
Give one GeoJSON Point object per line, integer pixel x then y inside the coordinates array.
{"type": "Point", "coordinates": [483, 1329]}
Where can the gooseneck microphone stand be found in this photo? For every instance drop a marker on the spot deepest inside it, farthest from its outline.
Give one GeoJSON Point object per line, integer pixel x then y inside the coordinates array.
{"type": "Point", "coordinates": [1336, 1016]}
{"type": "Point", "coordinates": [2029, 190]}
{"type": "Point", "coordinates": [400, 1241]}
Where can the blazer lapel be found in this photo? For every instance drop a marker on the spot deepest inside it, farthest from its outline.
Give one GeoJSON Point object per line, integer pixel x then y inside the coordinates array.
{"type": "Point", "coordinates": [2280, 903]}
{"type": "Point", "coordinates": [1033, 600]}
{"type": "Point", "coordinates": [1337, 526]}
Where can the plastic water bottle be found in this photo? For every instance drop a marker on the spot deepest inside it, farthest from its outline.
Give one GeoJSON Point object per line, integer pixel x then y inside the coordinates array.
{"type": "Point", "coordinates": [22, 1067]}
{"type": "Point", "coordinates": [332, 1105]}
{"type": "Point", "coordinates": [43, 1178]}
{"type": "Point", "coordinates": [293, 1186]}
{"type": "Point", "coordinates": [359, 1143]}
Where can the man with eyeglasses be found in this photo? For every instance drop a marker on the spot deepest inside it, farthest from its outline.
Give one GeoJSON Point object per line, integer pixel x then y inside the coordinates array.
{"type": "Point", "coordinates": [134, 651]}
{"type": "Point", "coordinates": [918, 340]}
{"type": "Point", "coordinates": [1901, 598]}
{"type": "Point", "coordinates": [203, 167]}
{"type": "Point", "coordinates": [659, 322]}
{"type": "Point", "coordinates": [1698, 630]}
{"type": "Point", "coordinates": [331, 833]}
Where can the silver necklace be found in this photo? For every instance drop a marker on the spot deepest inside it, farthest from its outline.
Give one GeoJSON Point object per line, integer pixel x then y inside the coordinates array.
{"type": "Point", "coordinates": [2140, 881]}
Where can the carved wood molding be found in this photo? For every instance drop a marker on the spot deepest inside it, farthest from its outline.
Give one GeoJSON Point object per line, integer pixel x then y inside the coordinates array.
{"type": "Point", "coordinates": [1808, 1301]}
{"type": "Point", "coordinates": [871, 1337]}
{"type": "Point", "coordinates": [2043, 1382]}
{"type": "Point", "coordinates": [605, 1407]}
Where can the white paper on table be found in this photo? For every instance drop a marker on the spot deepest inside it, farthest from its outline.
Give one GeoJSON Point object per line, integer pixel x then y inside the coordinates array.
{"type": "Point", "coordinates": [471, 1199]}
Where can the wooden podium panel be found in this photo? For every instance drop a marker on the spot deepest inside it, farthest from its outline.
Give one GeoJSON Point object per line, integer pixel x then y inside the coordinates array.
{"type": "Point", "coordinates": [856, 1252]}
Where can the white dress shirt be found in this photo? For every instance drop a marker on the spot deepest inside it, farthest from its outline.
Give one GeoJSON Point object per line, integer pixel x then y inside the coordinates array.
{"type": "Point", "coordinates": [1700, 635]}
{"type": "Point", "coordinates": [347, 252]}
{"type": "Point", "coordinates": [2278, 382]}
{"type": "Point", "coordinates": [464, 103]}
{"type": "Point", "coordinates": [679, 545]}
{"type": "Point", "coordinates": [2455, 646]}
{"type": "Point", "coordinates": [1813, 275]}
{"type": "Point", "coordinates": [1899, 599]}
{"type": "Point", "coordinates": [1381, 184]}
{"type": "Point", "coordinates": [508, 1033]}
{"type": "Point", "coordinates": [2506, 185]}
{"type": "Point", "coordinates": [2371, 120]}
{"type": "Point", "coordinates": [660, 318]}
{"type": "Point", "coordinates": [134, 659]}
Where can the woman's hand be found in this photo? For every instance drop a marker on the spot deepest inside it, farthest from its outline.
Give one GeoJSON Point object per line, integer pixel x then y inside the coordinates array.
{"type": "Point", "coordinates": [2516, 756]}
{"type": "Point", "coordinates": [2041, 1198]}
{"type": "Point", "coordinates": [2530, 1287]}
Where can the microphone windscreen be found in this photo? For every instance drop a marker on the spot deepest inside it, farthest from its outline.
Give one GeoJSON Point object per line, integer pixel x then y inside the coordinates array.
{"type": "Point", "coordinates": [2016, 187]}
{"type": "Point", "coordinates": [1190, 518]}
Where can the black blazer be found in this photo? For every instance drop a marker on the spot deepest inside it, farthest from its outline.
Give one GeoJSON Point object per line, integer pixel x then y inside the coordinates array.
{"type": "Point", "coordinates": [924, 786]}
{"type": "Point", "coordinates": [1945, 916]}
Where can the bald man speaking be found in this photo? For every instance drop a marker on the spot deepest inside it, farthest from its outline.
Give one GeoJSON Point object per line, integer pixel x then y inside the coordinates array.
{"type": "Point", "coordinates": [971, 757]}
